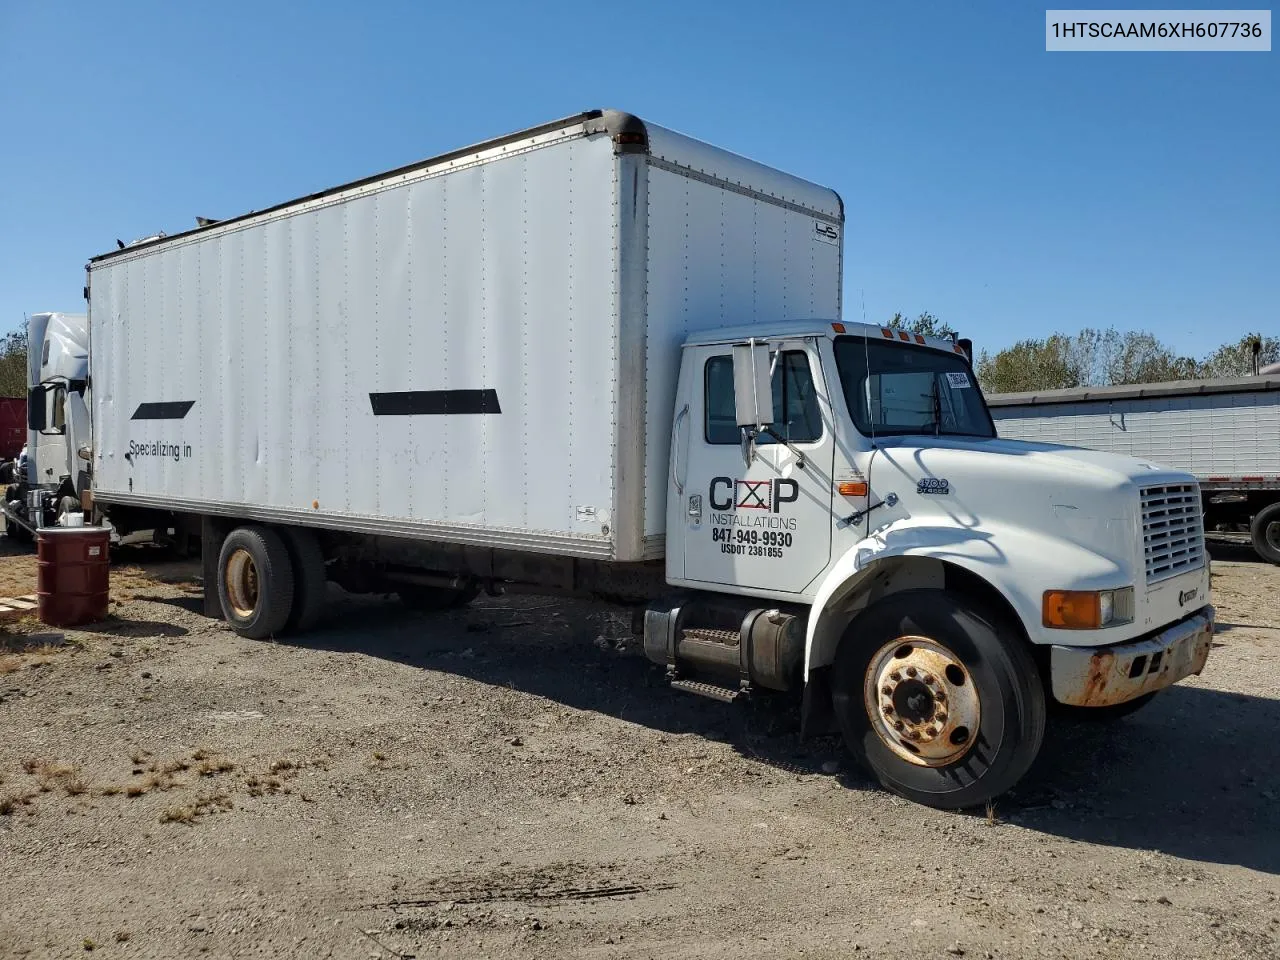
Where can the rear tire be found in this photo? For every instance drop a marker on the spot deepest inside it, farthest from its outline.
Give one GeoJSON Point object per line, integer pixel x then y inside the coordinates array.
{"type": "Point", "coordinates": [310, 581]}
{"type": "Point", "coordinates": [255, 582]}
{"type": "Point", "coordinates": [1265, 533]}
{"type": "Point", "coordinates": [433, 599]}
{"type": "Point", "coordinates": [969, 698]}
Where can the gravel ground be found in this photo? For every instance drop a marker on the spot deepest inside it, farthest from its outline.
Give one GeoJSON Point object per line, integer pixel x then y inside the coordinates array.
{"type": "Point", "coordinates": [516, 780]}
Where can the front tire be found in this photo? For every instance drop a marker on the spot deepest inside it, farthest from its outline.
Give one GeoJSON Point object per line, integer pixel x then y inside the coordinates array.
{"type": "Point", "coordinates": [938, 698]}
{"type": "Point", "coordinates": [1265, 533]}
{"type": "Point", "coordinates": [255, 582]}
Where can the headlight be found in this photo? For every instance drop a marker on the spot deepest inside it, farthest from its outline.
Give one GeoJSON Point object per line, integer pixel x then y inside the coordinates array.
{"type": "Point", "coordinates": [1087, 609]}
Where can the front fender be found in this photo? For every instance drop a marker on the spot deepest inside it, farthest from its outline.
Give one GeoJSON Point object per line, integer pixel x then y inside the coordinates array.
{"type": "Point", "coordinates": [1019, 563]}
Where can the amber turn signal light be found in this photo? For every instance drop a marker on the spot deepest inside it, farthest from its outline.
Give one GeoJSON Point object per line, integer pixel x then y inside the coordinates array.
{"type": "Point", "coordinates": [1072, 609]}
{"type": "Point", "coordinates": [852, 488]}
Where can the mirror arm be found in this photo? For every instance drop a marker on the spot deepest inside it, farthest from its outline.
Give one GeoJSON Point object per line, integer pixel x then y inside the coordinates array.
{"type": "Point", "coordinates": [799, 454]}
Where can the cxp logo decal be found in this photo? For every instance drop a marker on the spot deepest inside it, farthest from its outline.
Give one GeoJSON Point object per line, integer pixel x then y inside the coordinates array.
{"type": "Point", "coordinates": [726, 493]}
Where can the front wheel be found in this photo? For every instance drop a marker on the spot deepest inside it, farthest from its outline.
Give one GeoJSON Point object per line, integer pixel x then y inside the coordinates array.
{"type": "Point", "coordinates": [1265, 533]}
{"type": "Point", "coordinates": [939, 698]}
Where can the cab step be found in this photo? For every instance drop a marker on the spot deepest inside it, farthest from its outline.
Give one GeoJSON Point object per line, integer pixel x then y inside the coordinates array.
{"type": "Point", "coordinates": [711, 690]}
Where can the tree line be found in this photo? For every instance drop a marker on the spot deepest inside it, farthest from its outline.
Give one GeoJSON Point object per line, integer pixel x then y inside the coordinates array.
{"type": "Point", "coordinates": [1098, 358]}
{"type": "Point", "coordinates": [13, 364]}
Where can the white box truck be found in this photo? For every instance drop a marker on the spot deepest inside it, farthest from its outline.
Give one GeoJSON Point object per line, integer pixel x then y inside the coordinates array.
{"type": "Point", "coordinates": [600, 358]}
{"type": "Point", "coordinates": [1225, 432]}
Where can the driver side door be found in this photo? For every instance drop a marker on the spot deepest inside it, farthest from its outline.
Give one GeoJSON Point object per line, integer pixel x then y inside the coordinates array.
{"type": "Point", "coordinates": [765, 524]}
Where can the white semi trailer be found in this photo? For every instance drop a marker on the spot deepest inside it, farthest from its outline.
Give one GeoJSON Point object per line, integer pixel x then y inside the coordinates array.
{"type": "Point", "coordinates": [1225, 432]}
{"type": "Point", "coordinates": [600, 358]}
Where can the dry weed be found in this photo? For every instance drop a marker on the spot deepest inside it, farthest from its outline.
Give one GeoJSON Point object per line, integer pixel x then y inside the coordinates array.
{"type": "Point", "coordinates": [211, 766]}
{"type": "Point", "coordinates": [189, 813]}
{"type": "Point", "coordinates": [152, 781]}
{"type": "Point", "coordinates": [186, 814]}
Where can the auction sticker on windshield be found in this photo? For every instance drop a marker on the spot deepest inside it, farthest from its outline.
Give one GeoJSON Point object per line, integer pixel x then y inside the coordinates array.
{"type": "Point", "coordinates": [959, 380]}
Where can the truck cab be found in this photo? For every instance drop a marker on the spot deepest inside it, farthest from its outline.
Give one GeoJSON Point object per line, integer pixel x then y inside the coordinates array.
{"type": "Point", "coordinates": [930, 586]}
{"type": "Point", "coordinates": [57, 466]}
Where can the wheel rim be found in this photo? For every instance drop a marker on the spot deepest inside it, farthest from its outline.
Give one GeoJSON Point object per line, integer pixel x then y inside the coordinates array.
{"type": "Point", "coordinates": [922, 701]}
{"type": "Point", "coordinates": [1272, 534]}
{"type": "Point", "coordinates": [241, 579]}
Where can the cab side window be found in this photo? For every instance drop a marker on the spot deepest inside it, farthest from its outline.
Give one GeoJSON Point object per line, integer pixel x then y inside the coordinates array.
{"type": "Point", "coordinates": [796, 415]}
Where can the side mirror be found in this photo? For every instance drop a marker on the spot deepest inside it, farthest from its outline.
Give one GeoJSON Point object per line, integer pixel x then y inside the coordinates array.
{"type": "Point", "coordinates": [967, 346]}
{"type": "Point", "coordinates": [752, 385]}
{"type": "Point", "coordinates": [36, 408]}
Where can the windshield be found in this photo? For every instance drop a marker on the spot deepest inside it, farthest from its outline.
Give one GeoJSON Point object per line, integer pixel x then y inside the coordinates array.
{"type": "Point", "coordinates": [911, 390]}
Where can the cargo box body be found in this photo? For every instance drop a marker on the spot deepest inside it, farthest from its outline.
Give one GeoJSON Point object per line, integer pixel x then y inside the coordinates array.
{"type": "Point", "coordinates": [480, 348]}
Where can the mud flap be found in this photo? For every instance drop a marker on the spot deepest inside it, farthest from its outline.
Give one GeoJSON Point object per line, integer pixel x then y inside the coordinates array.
{"type": "Point", "coordinates": [212, 533]}
{"type": "Point", "coordinates": [817, 718]}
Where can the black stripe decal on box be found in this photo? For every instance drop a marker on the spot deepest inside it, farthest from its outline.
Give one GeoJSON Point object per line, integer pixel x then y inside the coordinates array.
{"type": "Point", "coordinates": [172, 410]}
{"type": "Point", "coordinates": [413, 403]}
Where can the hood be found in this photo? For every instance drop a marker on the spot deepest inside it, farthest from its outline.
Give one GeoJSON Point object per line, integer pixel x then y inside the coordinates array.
{"type": "Point", "coordinates": [1065, 494]}
{"type": "Point", "coordinates": [1054, 460]}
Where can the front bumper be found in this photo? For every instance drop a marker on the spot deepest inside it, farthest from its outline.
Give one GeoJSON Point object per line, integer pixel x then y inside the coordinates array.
{"type": "Point", "coordinates": [1102, 676]}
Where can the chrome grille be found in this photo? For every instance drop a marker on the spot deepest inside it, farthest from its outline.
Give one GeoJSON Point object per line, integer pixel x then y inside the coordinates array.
{"type": "Point", "coordinates": [1172, 533]}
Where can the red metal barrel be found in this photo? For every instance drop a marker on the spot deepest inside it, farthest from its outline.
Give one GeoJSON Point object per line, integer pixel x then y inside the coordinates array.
{"type": "Point", "coordinates": [73, 576]}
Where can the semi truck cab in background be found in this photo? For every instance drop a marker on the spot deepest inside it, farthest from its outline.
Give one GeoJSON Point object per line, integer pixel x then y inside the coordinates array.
{"type": "Point", "coordinates": [57, 467]}
{"type": "Point", "coordinates": [574, 360]}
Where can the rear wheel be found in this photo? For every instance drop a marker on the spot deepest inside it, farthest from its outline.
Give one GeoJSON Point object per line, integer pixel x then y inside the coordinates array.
{"type": "Point", "coordinates": [1265, 533]}
{"type": "Point", "coordinates": [938, 698]}
{"type": "Point", "coordinates": [310, 580]}
{"type": "Point", "coordinates": [255, 582]}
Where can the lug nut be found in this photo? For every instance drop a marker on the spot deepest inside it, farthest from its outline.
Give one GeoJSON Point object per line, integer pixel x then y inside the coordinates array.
{"type": "Point", "coordinates": [927, 678]}
{"type": "Point", "coordinates": [895, 676]}
{"type": "Point", "coordinates": [940, 696]}
{"type": "Point", "coordinates": [940, 717]}
{"type": "Point", "coordinates": [911, 671]}
{"type": "Point", "coordinates": [898, 724]}
{"type": "Point", "coordinates": [888, 710]}
{"type": "Point", "coordinates": [913, 734]}
{"type": "Point", "coordinates": [933, 731]}
{"type": "Point", "coordinates": [887, 690]}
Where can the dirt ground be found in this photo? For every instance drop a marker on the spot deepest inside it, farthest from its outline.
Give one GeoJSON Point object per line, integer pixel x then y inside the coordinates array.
{"type": "Point", "coordinates": [516, 780]}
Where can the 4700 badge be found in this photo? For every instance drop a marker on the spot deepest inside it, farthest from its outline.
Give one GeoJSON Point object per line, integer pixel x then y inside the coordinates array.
{"type": "Point", "coordinates": [751, 543]}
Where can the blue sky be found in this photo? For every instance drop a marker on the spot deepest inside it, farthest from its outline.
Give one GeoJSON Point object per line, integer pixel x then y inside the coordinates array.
{"type": "Point", "coordinates": [1010, 191]}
